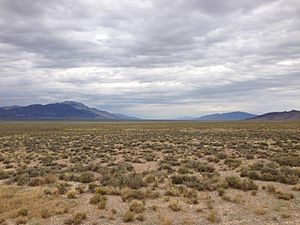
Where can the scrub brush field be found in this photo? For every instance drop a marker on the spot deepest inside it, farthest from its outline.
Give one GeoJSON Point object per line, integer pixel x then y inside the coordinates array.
{"type": "Point", "coordinates": [164, 173]}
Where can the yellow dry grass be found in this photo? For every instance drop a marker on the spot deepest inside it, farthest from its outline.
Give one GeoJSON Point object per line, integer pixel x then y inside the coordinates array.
{"type": "Point", "coordinates": [14, 199]}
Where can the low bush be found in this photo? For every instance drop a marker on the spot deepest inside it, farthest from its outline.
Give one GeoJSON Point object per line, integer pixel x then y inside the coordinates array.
{"type": "Point", "coordinates": [99, 200]}
{"type": "Point", "coordinates": [271, 172]}
{"type": "Point", "coordinates": [140, 217]}
{"type": "Point", "coordinates": [72, 194]}
{"type": "Point", "coordinates": [193, 182]}
{"type": "Point", "coordinates": [45, 213]}
{"type": "Point", "coordinates": [130, 194]}
{"type": "Point", "coordinates": [149, 178]}
{"type": "Point", "coordinates": [237, 183]}
{"type": "Point", "coordinates": [36, 182]}
{"type": "Point", "coordinates": [21, 220]}
{"type": "Point", "coordinates": [128, 216]}
{"type": "Point", "coordinates": [293, 161]}
{"type": "Point", "coordinates": [212, 216]}
{"type": "Point", "coordinates": [86, 177]}
{"type": "Point", "coordinates": [131, 180]}
{"type": "Point", "coordinates": [284, 196]}
{"type": "Point", "coordinates": [108, 190]}
{"type": "Point", "coordinates": [296, 188]}
{"type": "Point", "coordinates": [77, 219]}
{"type": "Point", "coordinates": [80, 189]}
{"type": "Point", "coordinates": [136, 206]}
{"type": "Point", "coordinates": [62, 188]}
{"type": "Point", "coordinates": [49, 179]}
{"type": "Point", "coordinates": [175, 205]}
{"type": "Point", "coordinates": [221, 191]}
{"type": "Point", "coordinates": [199, 166]}
{"type": "Point", "coordinates": [271, 188]}
{"type": "Point", "coordinates": [3, 174]}
{"type": "Point", "coordinates": [238, 199]}
{"type": "Point", "coordinates": [233, 163]}
{"type": "Point", "coordinates": [22, 212]}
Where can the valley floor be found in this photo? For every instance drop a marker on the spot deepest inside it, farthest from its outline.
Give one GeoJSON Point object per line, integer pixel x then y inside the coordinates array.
{"type": "Point", "coordinates": [165, 173]}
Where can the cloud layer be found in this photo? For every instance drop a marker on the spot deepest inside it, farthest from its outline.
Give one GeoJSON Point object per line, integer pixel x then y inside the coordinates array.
{"type": "Point", "coordinates": [152, 58]}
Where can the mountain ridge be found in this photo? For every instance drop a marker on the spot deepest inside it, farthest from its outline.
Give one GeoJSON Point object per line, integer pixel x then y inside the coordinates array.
{"type": "Point", "coordinates": [276, 116]}
{"type": "Point", "coordinates": [229, 116]}
{"type": "Point", "coordinates": [66, 110]}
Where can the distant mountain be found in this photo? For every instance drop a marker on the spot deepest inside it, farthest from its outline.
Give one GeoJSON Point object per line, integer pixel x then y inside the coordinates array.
{"type": "Point", "coordinates": [99, 113]}
{"type": "Point", "coordinates": [184, 118]}
{"type": "Point", "coordinates": [230, 116]}
{"type": "Point", "coordinates": [125, 117]}
{"type": "Point", "coordinates": [10, 107]}
{"type": "Point", "coordinates": [286, 115]}
{"type": "Point", "coordinates": [63, 110]}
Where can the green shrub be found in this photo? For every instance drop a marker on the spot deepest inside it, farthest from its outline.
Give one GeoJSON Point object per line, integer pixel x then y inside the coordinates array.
{"type": "Point", "coordinates": [149, 178]}
{"type": "Point", "coordinates": [62, 188]}
{"type": "Point", "coordinates": [131, 180]}
{"type": "Point", "coordinates": [80, 189]}
{"type": "Point", "coordinates": [199, 166]}
{"type": "Point", "coordinates": [3, 174]}
{"type": "Point", "coordinates": [233, 182]}
{"type": "Point", "coordinates": [47, 191]}
{"type": "Point", "coordinates": [95, 199]}
{"type": "Point", "coordinates": [92, 187]}
{"type": "Point", "coordinates": [247, 185]}
{"type": "Point", "coordinates": [193, 182]}
{"type": "Point", "coordinates": [86, 177]}
{"type": "Point", "coordinates": [293, 161]}
{"type": "Point", "coordinates": [22, 212]}
{"type": "Point", "coordinates": [237, 183]}
{"type": "Point", "coordinates": [102, 203]}
{"type": "Point", "coordinates": [221, 191]}
{"type": "Point", "coordinates": [271, 172]}
{"type": "Point", "coordinates": [233, 163]}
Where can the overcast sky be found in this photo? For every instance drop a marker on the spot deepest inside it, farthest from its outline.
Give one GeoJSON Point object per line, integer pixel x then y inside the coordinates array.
{"type": "Point", "coordinates": [152, 58]}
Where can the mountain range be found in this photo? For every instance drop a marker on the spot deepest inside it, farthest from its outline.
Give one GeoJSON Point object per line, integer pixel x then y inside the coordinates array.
{"type": "Point", "coordinates": [70, 110]}
{"type": "Point", "coordinates": [64, 111]}
{"type": "Point", "coordinates": [227, 116]}
{"type": "Point", "coordinates": [238, 116]}
{"type": "Point", "coordinates": [286, 115]}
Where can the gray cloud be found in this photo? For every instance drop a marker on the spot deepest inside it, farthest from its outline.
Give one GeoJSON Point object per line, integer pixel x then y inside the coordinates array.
{"type": "Point", "coordinates": [152, 58]}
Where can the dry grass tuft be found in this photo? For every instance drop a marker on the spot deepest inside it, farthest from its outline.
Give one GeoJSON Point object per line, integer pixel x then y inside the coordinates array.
{"type": "Point", "coordinates": [260, 210]}
{"type": "Point", "coordinates": [128, 216]}
{"type": "Point", "coordinates": [213, 216]}
{"type": "Point", "coordinates": [164, 219]}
